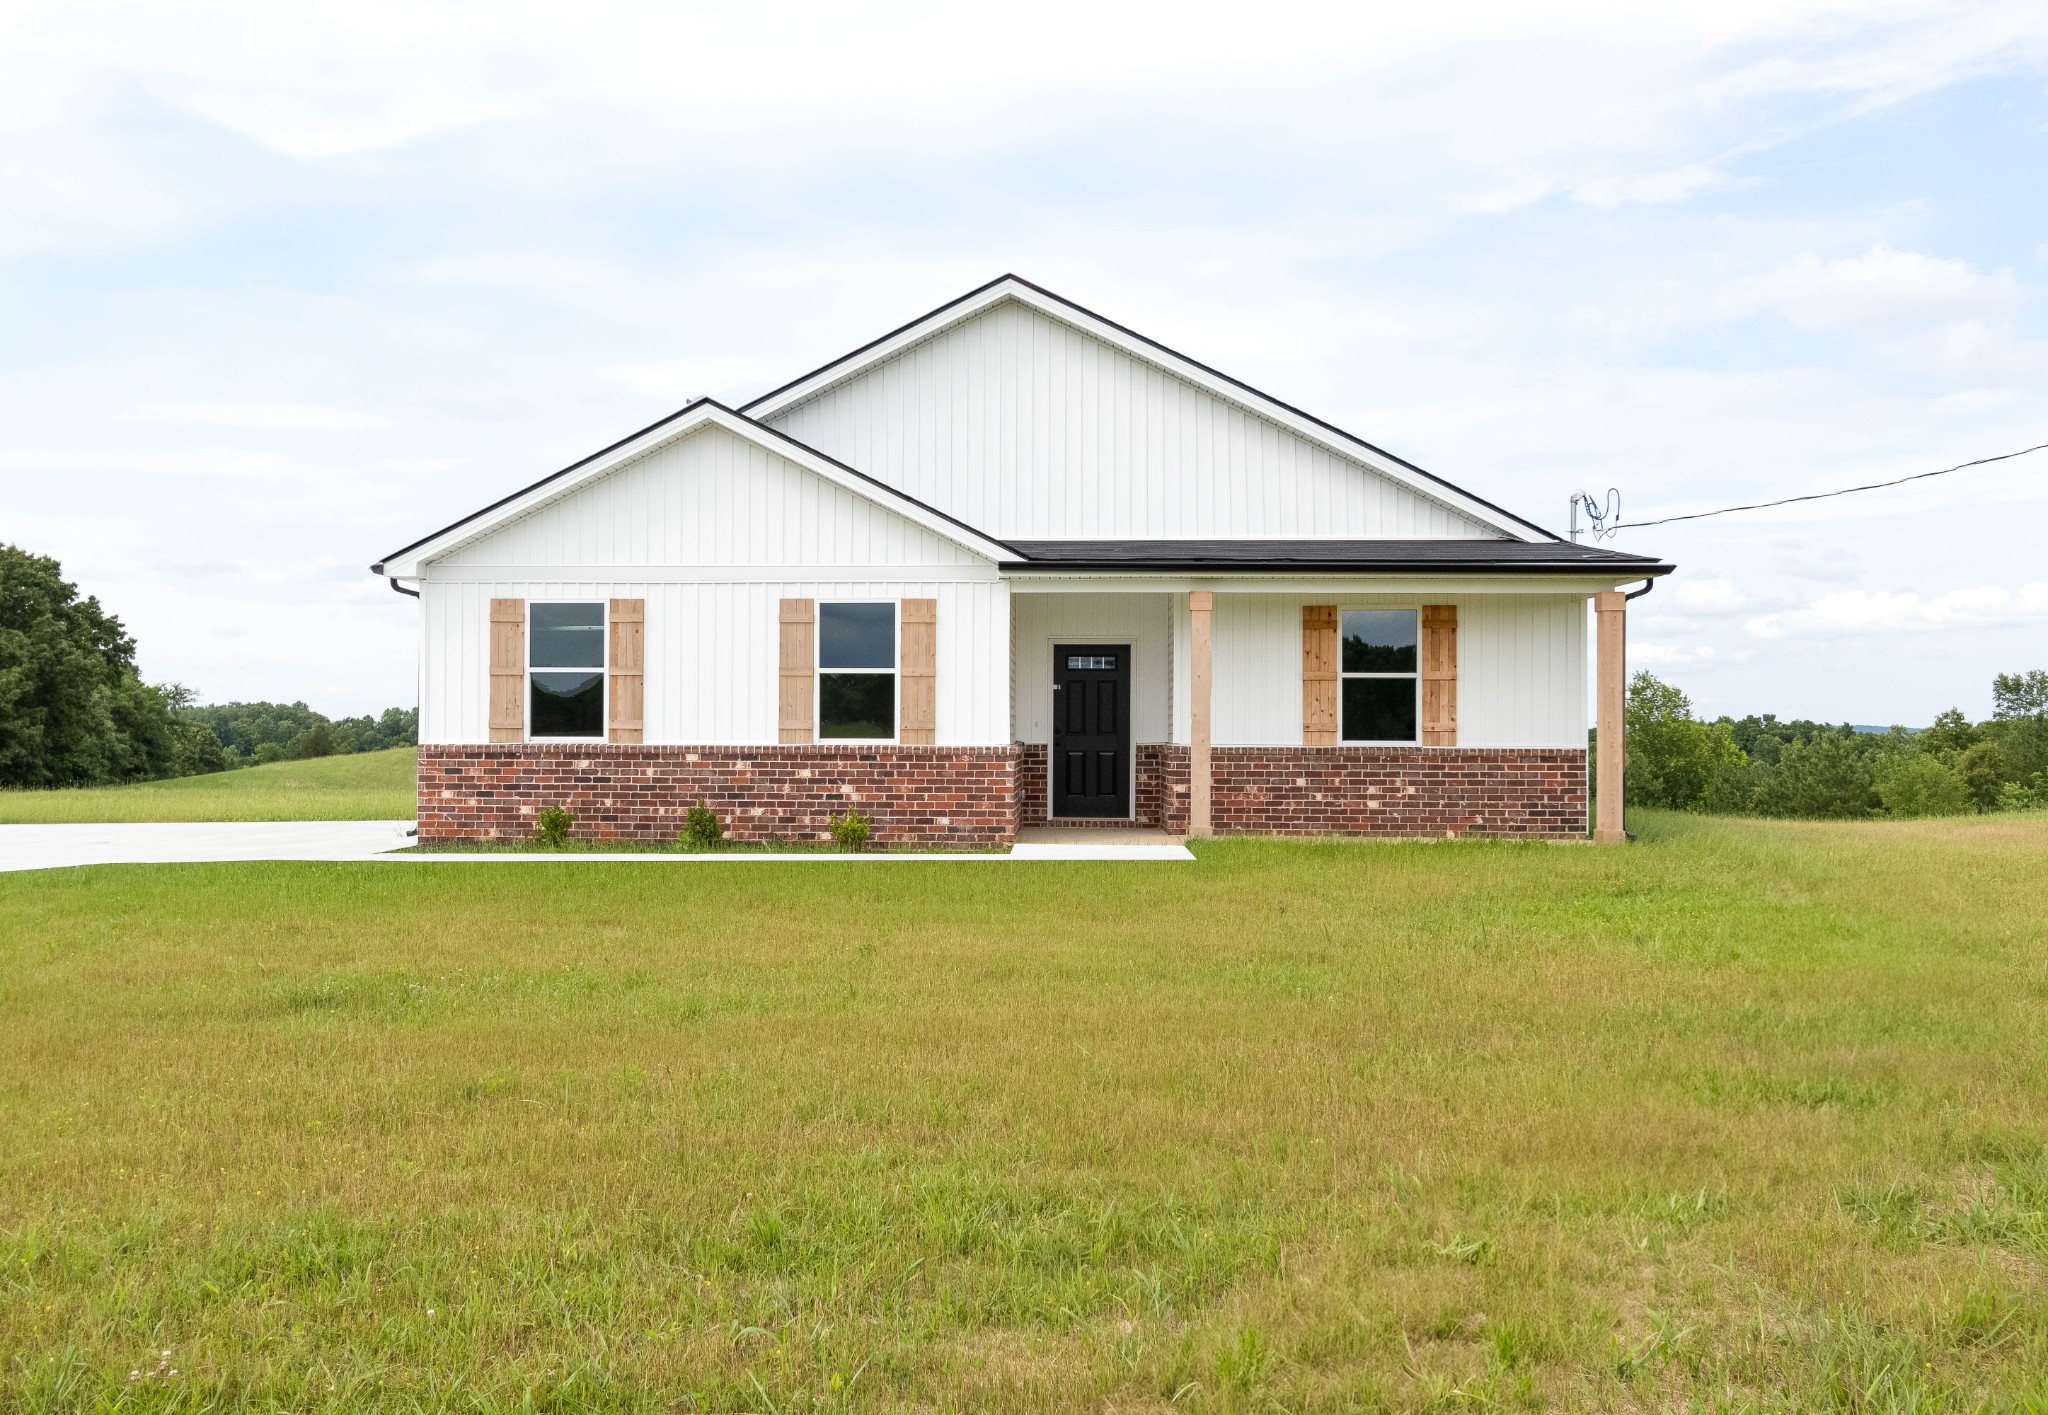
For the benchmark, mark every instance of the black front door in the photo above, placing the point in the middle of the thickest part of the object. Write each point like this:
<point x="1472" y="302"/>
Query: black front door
<point x="1091" y="731"/>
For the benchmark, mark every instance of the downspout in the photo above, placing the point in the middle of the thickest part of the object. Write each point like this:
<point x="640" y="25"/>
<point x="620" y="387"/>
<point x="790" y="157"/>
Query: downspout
<point x="1648" y="585"/>
<point x="416" y="594"/>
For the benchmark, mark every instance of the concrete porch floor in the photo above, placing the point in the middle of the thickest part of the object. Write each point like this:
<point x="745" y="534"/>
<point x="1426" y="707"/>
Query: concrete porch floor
<point x="1096" y="835"/>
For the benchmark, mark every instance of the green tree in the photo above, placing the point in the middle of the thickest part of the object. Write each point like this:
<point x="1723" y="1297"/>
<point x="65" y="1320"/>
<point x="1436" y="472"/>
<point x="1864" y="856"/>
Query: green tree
<point x="2017" y="695"/>
<point x="244" y="728"/>
<point x="318" y="740"/>
<point x="1674" y="760"/>
<point x="73" y="710"/>
<point x="1827" y="778"/>
<point x="2019" y="725"/>
<point x="1922" y="784"/>
<point x="1951" y="735"/>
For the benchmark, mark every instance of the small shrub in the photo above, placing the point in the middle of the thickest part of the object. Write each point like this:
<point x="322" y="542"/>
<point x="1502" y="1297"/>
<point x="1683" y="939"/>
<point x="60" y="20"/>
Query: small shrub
<point x="702" y="829"/>
<point x="2014" y="797"/>
<point x="551" y="827"/>
<point x="851" y="831"/>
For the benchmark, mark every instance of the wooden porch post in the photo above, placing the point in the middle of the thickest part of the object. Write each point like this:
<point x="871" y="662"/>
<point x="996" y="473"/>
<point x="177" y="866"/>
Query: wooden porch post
<point x="1200" y="603"/>
<point x="1610" y="612"/>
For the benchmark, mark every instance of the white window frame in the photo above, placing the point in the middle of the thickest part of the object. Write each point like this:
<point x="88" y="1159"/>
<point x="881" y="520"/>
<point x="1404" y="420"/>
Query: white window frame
<point x="604" y="673"/>
<point x="1416" y="676"/>
<point x="895" y="670"/>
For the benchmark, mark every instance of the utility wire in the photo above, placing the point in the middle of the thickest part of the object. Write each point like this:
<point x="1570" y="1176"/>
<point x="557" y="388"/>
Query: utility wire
<point x="1824" y="495"/>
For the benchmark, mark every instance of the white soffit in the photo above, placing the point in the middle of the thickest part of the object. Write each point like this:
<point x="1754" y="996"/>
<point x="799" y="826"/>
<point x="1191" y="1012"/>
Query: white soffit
<point x="1217" y="385"/>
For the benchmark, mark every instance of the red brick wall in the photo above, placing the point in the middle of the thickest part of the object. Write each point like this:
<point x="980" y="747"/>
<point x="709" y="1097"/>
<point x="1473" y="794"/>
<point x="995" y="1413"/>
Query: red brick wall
<point x="977" y="796"/>
<point x="958" y="796"/>
<point x="1155" y="762"/>
<point x="1163" y="786"/>
<point x="1406" y="791"/>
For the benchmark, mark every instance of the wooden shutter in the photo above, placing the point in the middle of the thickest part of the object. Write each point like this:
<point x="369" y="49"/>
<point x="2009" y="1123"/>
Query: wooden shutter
<point x="628" y="655"/>
<point x="799" y="669"/>
<point x="508" y="670"/>
<point x="917" y="666"/>
<point x="1439" y="675"/>
<point x="1319" y="675"/>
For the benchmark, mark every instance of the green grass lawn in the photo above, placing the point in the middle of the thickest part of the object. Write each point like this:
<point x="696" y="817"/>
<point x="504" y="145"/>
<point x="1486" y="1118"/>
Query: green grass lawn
<point x="367" y="786"/>
<point x="1747" y="1116"/>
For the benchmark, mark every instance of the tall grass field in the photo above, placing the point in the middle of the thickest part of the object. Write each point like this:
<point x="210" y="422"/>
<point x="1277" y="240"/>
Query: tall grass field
<point x="1749" y="1116"/>
<point x="366" y="786"/>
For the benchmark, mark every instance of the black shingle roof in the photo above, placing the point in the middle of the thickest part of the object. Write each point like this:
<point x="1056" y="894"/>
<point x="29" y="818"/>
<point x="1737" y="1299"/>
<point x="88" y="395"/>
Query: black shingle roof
<point x="1461" y="556"/>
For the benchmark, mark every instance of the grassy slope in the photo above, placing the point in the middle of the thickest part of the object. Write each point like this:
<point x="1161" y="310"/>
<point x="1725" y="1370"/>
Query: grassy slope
<point x="367" y="786"/>
<point x="1749" y="1111"/>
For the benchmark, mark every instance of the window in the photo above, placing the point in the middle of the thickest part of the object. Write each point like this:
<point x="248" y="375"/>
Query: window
<point x="1379" y="675"/>
<point x="565" y="670"/>
<point x="857" y="672"/>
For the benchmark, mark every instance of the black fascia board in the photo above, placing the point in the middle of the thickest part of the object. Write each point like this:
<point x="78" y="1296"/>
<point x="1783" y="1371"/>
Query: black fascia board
<point x="1646" y="569"/>
<point x="1353" y="556"/>
<point x="1328" y="427"/>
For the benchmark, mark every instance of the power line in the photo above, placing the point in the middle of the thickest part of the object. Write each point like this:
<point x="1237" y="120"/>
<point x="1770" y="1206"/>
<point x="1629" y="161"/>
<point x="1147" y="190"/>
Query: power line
<point x="1824" y="495"/>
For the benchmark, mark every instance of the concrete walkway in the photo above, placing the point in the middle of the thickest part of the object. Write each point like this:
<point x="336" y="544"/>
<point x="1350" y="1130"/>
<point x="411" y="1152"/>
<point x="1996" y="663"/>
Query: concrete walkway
<point x="47" y="847"/>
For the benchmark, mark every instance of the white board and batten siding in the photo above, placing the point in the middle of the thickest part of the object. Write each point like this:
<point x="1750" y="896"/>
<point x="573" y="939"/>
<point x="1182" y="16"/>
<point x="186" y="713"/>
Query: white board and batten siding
<point x="1521" y="666"/>
<point x="1040" y="622"/>
<point x="1027" y="427"/>
<point x="712" y="532"/>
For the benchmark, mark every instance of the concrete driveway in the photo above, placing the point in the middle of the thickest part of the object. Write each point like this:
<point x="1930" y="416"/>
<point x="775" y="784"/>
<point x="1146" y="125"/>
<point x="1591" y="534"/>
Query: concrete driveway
<point x="46" y="847"/>
<point x="50" y="847"/>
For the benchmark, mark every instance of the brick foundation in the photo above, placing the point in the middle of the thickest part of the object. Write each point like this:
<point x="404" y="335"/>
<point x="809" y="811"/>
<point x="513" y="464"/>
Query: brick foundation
<point x="957" y="796"/>
<point x="1402" y="791"/>
<point x="1162" y="796"/>
<point x="969" y="797"/>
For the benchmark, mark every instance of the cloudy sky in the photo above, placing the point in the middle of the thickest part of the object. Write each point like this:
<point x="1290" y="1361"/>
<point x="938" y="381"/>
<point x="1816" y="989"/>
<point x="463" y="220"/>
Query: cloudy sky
<point x="284" y="287"/>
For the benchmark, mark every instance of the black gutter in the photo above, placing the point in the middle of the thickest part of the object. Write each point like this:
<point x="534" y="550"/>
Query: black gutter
<point x="1164" y="349"/>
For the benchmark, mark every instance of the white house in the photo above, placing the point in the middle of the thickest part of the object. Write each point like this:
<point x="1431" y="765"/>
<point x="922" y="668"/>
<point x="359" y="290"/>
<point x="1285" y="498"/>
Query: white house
<point x="1008" y="564"/>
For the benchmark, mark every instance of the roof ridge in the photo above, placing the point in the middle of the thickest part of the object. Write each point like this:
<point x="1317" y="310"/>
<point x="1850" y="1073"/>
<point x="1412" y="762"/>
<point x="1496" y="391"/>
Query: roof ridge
<point x="1256" y="393"/>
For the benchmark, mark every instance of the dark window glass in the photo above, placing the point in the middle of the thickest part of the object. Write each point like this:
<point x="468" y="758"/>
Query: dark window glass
<point x="566" y="705"/>
<point x="857" y="705"/>
<point x="1379" y="709"/>
<point x="567" y="635"/>
<point x="1379" y="641"/>
<point x="856" y="636"/>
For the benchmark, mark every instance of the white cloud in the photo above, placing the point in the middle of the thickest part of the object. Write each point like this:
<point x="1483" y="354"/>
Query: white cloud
<point x="1662" y="654"/>
<point x="1649" y="188"/>
<point x="1720" y="595"/>
<point x="522" y="269"/>
<point x="1885" y="612"/>
<point x="1883" y="289"/>
<point x="680" y="380"/>
<point x="275" y="417"/>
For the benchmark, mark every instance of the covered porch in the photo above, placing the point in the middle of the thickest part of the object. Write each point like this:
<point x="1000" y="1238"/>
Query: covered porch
<point x="1156" y="702"/>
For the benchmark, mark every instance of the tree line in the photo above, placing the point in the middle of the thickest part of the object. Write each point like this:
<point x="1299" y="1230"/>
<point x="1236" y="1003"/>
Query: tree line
<point x="74" y="710"/>
<point x="1767" y="767"/>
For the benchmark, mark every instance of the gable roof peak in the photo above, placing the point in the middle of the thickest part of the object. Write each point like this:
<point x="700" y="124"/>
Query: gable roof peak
<point x="1013" y="287"/>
